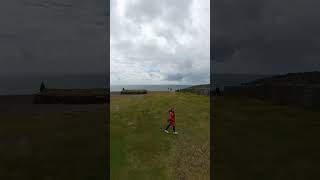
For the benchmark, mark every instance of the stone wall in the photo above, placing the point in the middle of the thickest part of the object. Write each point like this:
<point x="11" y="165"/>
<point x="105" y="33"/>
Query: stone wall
<point x="72" y="96"/>
<point x="134" y="91"/>
<point x="306" y="95"/>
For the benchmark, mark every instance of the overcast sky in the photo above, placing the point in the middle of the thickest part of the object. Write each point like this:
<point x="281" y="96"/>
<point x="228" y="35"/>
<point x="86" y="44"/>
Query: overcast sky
<point x="160" y="42"/>
<point x="55" y="36"/>
<point x="265" y="36"/>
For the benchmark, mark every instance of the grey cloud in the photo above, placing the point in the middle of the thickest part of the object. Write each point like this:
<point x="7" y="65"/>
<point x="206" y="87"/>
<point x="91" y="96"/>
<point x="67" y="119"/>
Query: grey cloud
<point x="174" y="77"/>
<point x="4" y="36"/>
<point x="174" y="12"/>
<point x="265" y="36"/>
<point x="198" y="77"/>
<point x="46" y="4"/>
<point x="162" y="34"/>
<point x="54" y="36"/>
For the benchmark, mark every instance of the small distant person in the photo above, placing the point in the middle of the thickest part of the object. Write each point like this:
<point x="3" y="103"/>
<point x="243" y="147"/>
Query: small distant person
<point x="42" y="87"/>
<point x="122" y="89"/>
<point x="171" y="121"/>
<point x="218" y="91"/>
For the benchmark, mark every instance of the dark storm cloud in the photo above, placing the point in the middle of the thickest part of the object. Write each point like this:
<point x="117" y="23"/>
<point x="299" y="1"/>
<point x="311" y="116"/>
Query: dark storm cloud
<point x="47" y="4"/>
<point x="174" y="77"/>
<point x="4" y="36"/>
<point x="59" y="36"/>
<point x="265" y="36"/>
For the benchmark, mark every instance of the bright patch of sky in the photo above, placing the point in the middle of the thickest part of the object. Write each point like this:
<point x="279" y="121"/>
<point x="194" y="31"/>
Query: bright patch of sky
<point x="160" y="42"/>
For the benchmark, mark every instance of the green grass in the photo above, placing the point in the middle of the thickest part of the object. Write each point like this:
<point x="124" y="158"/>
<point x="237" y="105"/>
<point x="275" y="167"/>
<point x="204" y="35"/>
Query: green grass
<point x="140" y="150"/>
<point x="254" y="139"/>
<point x="48" y="142"/>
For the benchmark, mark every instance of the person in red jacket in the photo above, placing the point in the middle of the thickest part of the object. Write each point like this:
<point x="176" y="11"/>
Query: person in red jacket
<point x="172" y="121"/>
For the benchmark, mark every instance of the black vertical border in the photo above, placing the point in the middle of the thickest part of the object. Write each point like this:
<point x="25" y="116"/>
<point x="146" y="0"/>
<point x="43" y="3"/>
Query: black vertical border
<point x="212" y="123"/>
<point x="108" y="89"/>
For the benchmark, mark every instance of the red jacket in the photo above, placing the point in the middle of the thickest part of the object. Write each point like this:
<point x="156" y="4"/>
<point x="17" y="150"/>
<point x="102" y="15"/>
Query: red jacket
<point x="172" y="119"/>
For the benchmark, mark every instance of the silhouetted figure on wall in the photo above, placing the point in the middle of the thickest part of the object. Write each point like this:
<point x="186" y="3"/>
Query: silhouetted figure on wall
<point x="42" y="87"/>
<point x="218" y="91"/>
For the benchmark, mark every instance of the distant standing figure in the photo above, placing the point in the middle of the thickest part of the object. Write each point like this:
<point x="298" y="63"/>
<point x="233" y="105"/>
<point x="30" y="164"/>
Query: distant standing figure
<point x="42" y="87"/>
<point x="218" y="91"/>
<point x="171" y="121"/>
<point x="122" y="89"/>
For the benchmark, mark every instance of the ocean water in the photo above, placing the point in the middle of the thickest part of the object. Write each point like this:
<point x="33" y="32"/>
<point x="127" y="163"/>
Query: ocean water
<point x="29" y="84"/>
<point x="117" y="88"/>
<point x="219" y="80"/>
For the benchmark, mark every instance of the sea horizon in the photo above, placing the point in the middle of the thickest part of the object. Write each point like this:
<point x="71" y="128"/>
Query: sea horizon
<point x="148" y="87"/>
<point x="30" y="84"/>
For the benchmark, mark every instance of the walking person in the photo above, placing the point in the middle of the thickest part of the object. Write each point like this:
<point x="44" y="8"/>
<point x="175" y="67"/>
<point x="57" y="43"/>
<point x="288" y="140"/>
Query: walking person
<point x="171" y="121"/>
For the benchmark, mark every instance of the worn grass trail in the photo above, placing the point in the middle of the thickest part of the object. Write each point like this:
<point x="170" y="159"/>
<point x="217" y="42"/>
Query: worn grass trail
<point x="140" y="150"/>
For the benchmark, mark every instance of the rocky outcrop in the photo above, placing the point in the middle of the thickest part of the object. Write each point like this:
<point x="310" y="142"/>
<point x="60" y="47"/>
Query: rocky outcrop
<point x="294" y="88"/>
<point x="304" y="78"/>
<point x="200" y="89"/>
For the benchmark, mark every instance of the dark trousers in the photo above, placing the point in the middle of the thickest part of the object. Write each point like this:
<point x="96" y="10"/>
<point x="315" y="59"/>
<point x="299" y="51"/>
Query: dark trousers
<point x="174" y="128"/>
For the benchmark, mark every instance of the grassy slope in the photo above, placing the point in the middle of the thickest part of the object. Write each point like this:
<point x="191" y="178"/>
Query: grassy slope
<point x="139" y="150"/>
<point x="53" y="142"/>
<point x="259" y="140"/>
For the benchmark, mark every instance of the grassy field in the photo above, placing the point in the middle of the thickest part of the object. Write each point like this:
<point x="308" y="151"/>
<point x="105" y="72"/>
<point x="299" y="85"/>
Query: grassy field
<point x="140" y="150"/>
<point x="52" y="142"/>
<point x="254" y="140"/>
